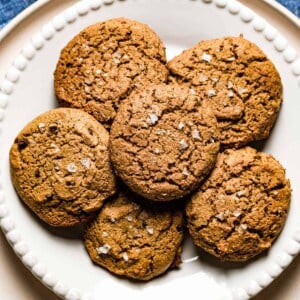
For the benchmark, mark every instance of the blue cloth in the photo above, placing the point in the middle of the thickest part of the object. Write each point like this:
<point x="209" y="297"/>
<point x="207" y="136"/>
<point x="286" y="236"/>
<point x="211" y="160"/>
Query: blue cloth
<point x="292" y="5"/>
<point x="10" y="8"/>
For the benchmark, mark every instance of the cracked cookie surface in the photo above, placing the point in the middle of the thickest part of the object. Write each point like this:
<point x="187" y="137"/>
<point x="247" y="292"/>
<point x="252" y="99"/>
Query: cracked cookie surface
<point x="134" y="240"/>
<point x="241" y="208"/>
<point x="242" y="84"/>
<point x="60" y="166"/>
<point x="105" y="62"/>
<point x="163" y="141"/>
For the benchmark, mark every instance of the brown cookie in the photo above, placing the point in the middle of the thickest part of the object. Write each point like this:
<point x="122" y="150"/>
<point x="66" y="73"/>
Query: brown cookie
<point x="60" y="166"/>
<point x="105" y="62"/>
<point x="163" y="141"/>
<point x="242" y="207"/>
<point x="239" y="80"/>
<point x="134" y="240"/>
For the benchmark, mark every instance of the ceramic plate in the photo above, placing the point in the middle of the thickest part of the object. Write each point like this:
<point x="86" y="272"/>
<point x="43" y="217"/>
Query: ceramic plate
<point x="58" y="258"/>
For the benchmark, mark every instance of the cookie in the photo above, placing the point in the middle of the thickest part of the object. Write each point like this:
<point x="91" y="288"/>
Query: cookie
<point x="60" y="166"/>
<point x="241" y="208"/>
<point x="104" y="63"/>
<point x="163" y="141"/>
<point x="134" y="240"/>
<point x="241" y="83"/>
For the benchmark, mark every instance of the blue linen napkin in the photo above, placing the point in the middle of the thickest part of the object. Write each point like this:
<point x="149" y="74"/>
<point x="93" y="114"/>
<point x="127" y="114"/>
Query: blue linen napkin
<point x="10" y="8"/>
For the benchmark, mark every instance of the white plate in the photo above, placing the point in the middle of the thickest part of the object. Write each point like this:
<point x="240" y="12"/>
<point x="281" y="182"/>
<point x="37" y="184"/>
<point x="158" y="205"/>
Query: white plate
<point x="59" y="259"/>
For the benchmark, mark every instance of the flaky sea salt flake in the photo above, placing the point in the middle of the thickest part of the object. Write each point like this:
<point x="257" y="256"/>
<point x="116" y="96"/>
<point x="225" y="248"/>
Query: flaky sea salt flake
<point x="129" y="218"/>
<point x="149" y="229"/>
<point x="185" y="171"/>
<point x="244" y="226"/>
<point x="230" y="94"/>
<point x="125" y="256"/>
<point x="42" y="127"/>
<point x="180" y="125"/>
<point x="55" y="147"/>
<point x="206" y="57"/>
<point x="183" y="144"/>
<point x="242" y="90"/>
<point x="211" y="93"/>
<point x="156" y="151"/>
<point x="202" y="78"/>
<point x="71" y="168"/>
<point x="103" y="249"/>
<point x="152" y="119"/>
<point x="196" y="134"/>
<point x="86" y="162"/>
<point x="236" y="213"/>
<point x="241" y="193"/>
<point x="220" y="216"/>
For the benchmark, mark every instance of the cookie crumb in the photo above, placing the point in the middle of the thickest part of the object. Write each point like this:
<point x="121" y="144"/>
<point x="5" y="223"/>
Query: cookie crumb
<point x="206" y="57"/>
<point x="192" y="91"/>
<point x="232" y="58"/>
<point x="103" y="249"/>
<point x="104" y="234"/>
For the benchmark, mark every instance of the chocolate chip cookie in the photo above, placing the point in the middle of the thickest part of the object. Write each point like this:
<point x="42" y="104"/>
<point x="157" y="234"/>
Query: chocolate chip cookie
<point x="60" y="166"/>
<point x="239" y="80"/>
<point x="134" y="240"/>
<point x="163" y="141"/>
<point x="241" y="208"/>
<point x="105" y="62"/>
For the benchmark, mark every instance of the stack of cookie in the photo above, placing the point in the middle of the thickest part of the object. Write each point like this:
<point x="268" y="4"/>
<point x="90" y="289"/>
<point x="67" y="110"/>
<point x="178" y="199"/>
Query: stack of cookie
<point x="140" y="142"/>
